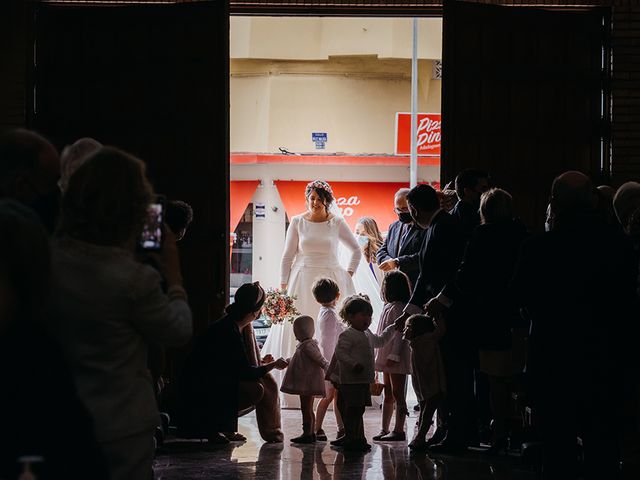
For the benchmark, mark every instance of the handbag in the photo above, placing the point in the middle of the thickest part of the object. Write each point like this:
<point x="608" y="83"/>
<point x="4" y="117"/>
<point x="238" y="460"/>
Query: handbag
<point x="376" y="388"/>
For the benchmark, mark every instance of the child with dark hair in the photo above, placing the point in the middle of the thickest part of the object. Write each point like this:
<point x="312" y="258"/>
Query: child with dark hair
<point x="327" y="293"/>
<point x="179" y="216"/>
<point x="355" y="368"/>
<point x="427" y="372"/>
<point x="394" y="359"/>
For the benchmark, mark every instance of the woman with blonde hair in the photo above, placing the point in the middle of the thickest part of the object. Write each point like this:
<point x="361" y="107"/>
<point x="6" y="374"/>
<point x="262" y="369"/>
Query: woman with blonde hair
<point x="368" y="277"/>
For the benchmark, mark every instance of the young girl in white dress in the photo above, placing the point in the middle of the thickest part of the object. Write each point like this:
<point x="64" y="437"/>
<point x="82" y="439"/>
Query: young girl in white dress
<point x="305" y="375"/>
<point x="311" y="252"/>
<point x="394" y="359"/>
<point x="327" y="294"/>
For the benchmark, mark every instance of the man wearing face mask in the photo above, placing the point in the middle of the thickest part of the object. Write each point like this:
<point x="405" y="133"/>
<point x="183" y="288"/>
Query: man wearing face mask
<point x="401" y="248"/>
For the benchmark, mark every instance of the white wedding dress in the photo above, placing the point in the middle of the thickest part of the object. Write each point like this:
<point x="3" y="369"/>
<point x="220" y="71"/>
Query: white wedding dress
<point x="310" y="252"/>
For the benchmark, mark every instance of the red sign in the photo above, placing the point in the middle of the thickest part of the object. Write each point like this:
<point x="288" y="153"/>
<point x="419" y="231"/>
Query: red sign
<point x="354" y="199"/>
<point x="428" y="134"/>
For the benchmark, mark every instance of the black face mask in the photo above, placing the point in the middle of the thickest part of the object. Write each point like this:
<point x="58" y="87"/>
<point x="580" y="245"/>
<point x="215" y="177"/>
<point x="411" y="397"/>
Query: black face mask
<point x="405" y="217"/>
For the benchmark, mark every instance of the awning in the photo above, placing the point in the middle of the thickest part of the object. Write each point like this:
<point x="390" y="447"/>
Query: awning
<point x="378" y="160"/>
<point x="240" y="195"/>
<point x="355" y="199"/>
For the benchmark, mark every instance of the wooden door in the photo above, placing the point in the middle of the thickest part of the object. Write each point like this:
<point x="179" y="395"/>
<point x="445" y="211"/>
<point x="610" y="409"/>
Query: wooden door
<point x="152" y="80"/>
<point x="523" y="97"/>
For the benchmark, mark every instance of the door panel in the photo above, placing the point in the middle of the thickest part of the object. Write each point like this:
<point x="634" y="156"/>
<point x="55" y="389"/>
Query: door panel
<point x="522" y="97"/>
<point x="152" y="80"/>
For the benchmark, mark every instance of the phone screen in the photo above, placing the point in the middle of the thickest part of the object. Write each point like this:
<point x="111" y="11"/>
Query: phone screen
<point x="151" y="238"/>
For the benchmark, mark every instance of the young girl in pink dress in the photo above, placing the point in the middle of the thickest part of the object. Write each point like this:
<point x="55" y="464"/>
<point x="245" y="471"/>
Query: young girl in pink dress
<point x="305" y="375"/>
<point x="394" y="359"/>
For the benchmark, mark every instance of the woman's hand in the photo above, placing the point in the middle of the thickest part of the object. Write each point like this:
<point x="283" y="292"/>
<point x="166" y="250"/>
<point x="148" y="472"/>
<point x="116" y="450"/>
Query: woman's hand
<point x="283" y="287"/>
<point x="280" y="364"/>
<point x="267" y="359"/>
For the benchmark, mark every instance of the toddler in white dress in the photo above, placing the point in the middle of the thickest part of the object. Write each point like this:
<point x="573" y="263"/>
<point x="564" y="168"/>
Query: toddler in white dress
<point x="327" y="293"/>
<point x="305" y="375"/>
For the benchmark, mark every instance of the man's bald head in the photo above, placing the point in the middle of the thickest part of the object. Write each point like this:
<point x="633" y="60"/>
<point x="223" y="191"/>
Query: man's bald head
<point x="572" y="191"/>
<point x="27" y="158"/>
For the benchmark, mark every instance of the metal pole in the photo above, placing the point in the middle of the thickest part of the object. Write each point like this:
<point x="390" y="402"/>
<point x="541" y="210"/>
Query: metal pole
<point x="413" y="163"/>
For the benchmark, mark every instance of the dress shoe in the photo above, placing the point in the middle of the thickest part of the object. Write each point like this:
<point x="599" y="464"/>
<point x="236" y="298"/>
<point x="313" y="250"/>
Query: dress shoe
<point x="379" y="436"/>
<point x="338" y="441"/>
<point x="448" y="448"/>
<point x="235" y="437"/>
<point x="340" y="433"/>
<point x="418" y="445"/>
<point x="438" y="437"/>
<point x="321" y="436"/>
<point x="394" y="437"/>
<point x="310" y="438"/>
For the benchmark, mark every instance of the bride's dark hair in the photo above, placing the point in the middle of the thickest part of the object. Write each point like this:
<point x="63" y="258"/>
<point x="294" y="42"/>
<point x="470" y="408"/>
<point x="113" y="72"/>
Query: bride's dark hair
<point x="248" y="298"/>
<point x="324" y="191"/>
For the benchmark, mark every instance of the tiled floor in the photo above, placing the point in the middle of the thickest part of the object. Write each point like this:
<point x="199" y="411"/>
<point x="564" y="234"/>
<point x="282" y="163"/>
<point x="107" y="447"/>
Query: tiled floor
<point x="186" y="460"/>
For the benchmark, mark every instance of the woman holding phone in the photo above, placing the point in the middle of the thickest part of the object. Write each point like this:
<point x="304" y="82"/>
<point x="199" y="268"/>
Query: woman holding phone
<point x="107" y="306"/>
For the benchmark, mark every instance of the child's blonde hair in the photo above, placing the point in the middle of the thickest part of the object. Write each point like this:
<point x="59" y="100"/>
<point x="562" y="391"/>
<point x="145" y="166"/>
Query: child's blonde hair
<point x="353" y="305"/>
<point x="303" y="327"/>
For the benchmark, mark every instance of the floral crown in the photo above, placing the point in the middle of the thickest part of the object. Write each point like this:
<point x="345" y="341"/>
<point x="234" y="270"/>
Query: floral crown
<point x="320" y="184"/>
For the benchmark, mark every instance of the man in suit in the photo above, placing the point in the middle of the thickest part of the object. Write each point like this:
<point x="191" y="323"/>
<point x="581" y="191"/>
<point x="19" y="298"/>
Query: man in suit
<point x="440" y="258"/>
<point x="470" y="185"/>
<point x="577" y="283"/>
<point x="401" y="248"/>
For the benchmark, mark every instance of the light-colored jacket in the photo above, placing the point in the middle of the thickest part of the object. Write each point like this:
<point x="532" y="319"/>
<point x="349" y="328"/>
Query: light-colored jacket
<point x="106" y="307"/>
<point x="329" y="329"/>
<point x="356" y="347"/>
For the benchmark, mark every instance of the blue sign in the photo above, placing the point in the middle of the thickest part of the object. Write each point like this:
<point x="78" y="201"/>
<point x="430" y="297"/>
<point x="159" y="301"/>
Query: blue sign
<point x="319" y="137"/>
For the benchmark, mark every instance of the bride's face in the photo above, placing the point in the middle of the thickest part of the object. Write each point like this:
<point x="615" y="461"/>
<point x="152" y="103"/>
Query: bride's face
<point x="314" y="203"/>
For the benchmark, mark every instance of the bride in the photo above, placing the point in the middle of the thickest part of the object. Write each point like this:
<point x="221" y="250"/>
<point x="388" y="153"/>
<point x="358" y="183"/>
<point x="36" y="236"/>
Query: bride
<point x="311" y="252"/>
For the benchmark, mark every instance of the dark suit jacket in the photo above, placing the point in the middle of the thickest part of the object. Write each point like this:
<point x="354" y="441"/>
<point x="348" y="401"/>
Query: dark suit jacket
<point x="208" y="384"/>
<point x="440" y="257"/>
<point x="482" y="283"/>
<point x="468" y="217"/>
<point x="407" y="254"/>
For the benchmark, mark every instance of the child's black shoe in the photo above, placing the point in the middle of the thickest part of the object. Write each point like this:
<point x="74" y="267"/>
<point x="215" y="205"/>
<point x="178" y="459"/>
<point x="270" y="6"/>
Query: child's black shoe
<point x="311" y="438"/>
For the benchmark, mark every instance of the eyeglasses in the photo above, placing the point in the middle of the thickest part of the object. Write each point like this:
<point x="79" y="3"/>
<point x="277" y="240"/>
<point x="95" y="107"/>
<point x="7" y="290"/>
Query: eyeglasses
<point x="398" y="211"/>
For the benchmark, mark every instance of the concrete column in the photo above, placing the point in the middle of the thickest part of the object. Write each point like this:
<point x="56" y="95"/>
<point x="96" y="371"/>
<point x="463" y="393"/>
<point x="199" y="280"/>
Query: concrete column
<point x="268" y="233"/>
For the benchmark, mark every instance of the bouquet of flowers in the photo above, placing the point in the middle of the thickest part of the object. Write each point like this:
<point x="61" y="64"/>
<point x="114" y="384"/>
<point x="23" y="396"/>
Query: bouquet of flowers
<point x="278" y="306"/>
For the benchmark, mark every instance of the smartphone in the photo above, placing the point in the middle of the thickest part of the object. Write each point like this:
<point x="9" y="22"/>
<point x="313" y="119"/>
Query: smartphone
<point x="152" y="231"/>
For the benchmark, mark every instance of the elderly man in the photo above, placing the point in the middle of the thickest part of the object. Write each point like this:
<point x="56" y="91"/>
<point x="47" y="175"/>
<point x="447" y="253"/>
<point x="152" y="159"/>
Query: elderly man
<point x="577" y="284"/>
<point x="401" y="248"/>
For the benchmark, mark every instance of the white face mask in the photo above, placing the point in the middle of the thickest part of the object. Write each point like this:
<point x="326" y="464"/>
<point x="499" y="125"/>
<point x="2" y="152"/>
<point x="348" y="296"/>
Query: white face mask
<point x="363" y="240"/>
